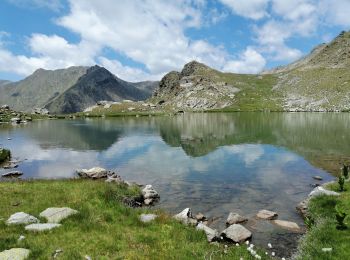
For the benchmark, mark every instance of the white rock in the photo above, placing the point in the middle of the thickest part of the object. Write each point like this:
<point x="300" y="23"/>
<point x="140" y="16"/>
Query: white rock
<point x="267" y="214"/>
<point x="318" y="191"/>
<point x="56" y="215"/>
<point x="327" y="249"/>
<point x="269" y="245"/>
<point x="237" y="233"/>
<point x="21" y="238"/>
<point x="14" y="254"/>
<point x="41" y="227"/>
<point x="147" y="217"/>
<point x="21" y="218"/>
<point x="184" y="216"/>
<point x="211" y="234"/>
<point x="93" y="173"/>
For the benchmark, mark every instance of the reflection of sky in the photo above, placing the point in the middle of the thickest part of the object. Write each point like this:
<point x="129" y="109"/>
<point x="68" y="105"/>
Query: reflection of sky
<point x="243" y="178"/>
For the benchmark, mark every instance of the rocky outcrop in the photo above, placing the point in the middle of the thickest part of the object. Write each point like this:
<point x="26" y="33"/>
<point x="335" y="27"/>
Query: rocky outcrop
<point x="56" y="215"/>
<point x="15" y="254"/>
<point x="93" y="173"/>
<point x="236" y="233"/>
<point x="21" y="218"/>
<point x="12" y="174"/>
<point x="194" y="88"/>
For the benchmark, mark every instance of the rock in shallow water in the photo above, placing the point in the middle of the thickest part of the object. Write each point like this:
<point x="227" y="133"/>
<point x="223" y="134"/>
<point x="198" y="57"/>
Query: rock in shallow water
<point x="287" y="225"/>
<point x="236" y="233"/>
<point x="185" y="217"/>
<point x="267" y="214"/>
<point x="149" y="194"/>
<point x="15" y="254"/>
<point x="21" y="218"/>
<point x="234" y="218"/>
<point x="56" y="215"/>
<point x="12" y="174"/>
<point x="41" y="227"/>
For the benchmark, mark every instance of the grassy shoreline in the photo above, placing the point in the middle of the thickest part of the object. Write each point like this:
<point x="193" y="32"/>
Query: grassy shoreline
<point x="104" y="228"/>
<point x="324" y="233"/>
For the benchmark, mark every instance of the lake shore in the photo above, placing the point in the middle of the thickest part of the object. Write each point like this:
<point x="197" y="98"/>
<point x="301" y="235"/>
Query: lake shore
<point x="104" y="226"/>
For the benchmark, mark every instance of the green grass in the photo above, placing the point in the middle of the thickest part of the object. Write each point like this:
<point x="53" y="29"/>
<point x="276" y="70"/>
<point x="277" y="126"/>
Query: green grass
<point x="4" y="155"/>
<point x="324" y="233"/>
<point x="104" y="227"/>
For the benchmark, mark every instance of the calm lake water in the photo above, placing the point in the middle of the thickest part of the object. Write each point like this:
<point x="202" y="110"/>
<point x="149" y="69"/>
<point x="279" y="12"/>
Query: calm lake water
<point x="213" y="163"/>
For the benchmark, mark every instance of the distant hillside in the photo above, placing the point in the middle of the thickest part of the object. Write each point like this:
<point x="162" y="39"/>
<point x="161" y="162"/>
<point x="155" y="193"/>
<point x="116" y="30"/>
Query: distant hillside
<point x="4" y="82"/>
<point x="317" y="82"/>
<point x="71" y="90"/>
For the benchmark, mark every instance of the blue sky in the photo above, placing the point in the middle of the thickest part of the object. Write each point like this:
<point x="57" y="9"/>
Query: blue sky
<point x="141" y="40"/>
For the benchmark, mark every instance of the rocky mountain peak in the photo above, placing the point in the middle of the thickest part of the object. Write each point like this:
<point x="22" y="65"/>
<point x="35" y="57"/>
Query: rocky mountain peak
<point x="193" y="67"/>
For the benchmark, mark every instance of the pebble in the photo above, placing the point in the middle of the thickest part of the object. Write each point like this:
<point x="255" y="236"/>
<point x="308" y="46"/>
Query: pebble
<point x="327" y="249"/>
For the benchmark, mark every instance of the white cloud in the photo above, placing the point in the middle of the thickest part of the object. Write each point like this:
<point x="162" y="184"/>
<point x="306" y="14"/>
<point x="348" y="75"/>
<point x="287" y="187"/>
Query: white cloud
<point x="254" y="9"/>
<point x="250" y="61"/>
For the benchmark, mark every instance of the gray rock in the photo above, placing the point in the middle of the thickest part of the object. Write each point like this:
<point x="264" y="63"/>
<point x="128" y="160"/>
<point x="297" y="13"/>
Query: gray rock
<point x="21" y="218"/>
<point x="185" y="216"/>
<point x="115" y="178"/>
<point x="14" y="254"/>
<point x="15" y="120"/>
<point x="319" y="178"/>
<point x="149" y="194"/>
<point x="267" y="214"/>
<point x="93" y="173"/>
<point x="287" y="225"/>
<point x="147" y="217"/>
<point x="41" y="227"/>
<point x="56" y="215"/>
<point x="12" y="174"/>
<point x="200" y="217"/>
<point x="236" y="233"/>
<point x="211" y="234"/>
<point x="234" y="218"/>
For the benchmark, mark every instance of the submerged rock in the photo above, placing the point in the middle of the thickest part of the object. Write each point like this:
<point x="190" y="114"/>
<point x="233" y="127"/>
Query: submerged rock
<point x="56" y="215"/>
<point x="234" y="218"/>
<point x="15" y="254"/>
<point x="236" y="233"/>
<point x="21" y="218"/>
<point x="150" y="195"/>
<point x="41" y="227"/>
<point x="287" y="225"/>
<point x="267" y="214"/>
<point x="12" y="174"/>
<point x="211" y="234"/>
<point x="147" y="217"/>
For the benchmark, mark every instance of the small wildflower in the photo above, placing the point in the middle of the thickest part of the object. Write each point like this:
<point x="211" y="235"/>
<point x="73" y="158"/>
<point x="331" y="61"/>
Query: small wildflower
<point x="225" y="246"/>
<point x="237" y="244"/>
<point x="269" y="245"/>
<point x="273" y="253"/>
<point x="247" y="242"/>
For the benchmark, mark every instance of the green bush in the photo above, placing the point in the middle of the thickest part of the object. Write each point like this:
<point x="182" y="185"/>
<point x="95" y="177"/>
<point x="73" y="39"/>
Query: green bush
<point x="4" y="155"/>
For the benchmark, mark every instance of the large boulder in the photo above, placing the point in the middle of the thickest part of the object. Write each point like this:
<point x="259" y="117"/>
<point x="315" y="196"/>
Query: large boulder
<point x="234" y="218"/>
<point x="150" y="195"/>
<point x="236" y="233"/>
<point x="15" y="254"/>
<point x="21" y="218"/>
<point x="41" y="227"/>
<point x="93" y="173"/>
<point x="56" y="215"/>
<point x="211" y="234"/>
<point x="267" y="214"/>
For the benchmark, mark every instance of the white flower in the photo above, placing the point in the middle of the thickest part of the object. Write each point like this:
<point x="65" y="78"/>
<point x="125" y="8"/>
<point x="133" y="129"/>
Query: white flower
<point x="237" y="244"/>
<point x="273" y="254"/>
<point x="269" y="245"/>
<point x="247" y="242"/>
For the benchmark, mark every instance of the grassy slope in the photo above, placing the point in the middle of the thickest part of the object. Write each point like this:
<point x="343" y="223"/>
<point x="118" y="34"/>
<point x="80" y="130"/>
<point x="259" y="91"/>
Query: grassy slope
<point x="104" y="228"/>
<point x="324" y="234"/>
